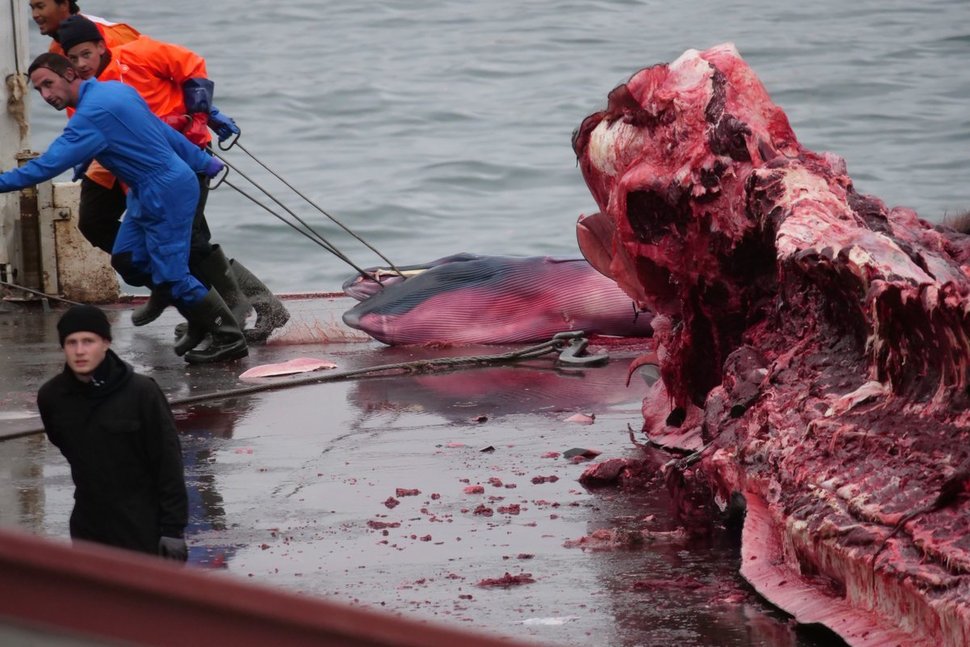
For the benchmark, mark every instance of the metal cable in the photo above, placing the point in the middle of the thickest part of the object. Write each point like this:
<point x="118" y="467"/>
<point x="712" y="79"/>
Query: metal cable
<point x="318" y="208"/>
<point x="310" y="231"/>
<point x="40" y="294"/>
<point x="530" y="352"/>
<point x="407" y="367"/>
<point x="311" y="234"/>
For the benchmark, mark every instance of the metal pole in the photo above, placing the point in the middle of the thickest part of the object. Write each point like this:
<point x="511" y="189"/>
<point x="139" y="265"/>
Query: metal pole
<point x="14" y="125"/>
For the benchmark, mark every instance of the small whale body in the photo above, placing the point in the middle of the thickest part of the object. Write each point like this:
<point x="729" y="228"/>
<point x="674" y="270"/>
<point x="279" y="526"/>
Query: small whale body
<point x="471" y="299"/>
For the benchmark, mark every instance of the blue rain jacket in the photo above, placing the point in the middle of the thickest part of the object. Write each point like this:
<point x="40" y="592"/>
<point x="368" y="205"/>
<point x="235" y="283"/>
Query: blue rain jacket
<point x="113" y="124"/>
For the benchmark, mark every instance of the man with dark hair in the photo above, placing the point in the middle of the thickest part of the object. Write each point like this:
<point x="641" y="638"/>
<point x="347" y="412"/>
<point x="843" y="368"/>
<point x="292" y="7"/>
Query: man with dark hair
<point x="101" y="193"/>
<point x="174" y="82"/>
<point x="113" y="123"/>
<point x="48" y="15"/>
<point x="117" y="432"/>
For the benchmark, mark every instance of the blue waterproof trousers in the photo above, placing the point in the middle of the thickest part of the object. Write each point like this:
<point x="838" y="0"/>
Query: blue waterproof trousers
<point x="152" y="246"/>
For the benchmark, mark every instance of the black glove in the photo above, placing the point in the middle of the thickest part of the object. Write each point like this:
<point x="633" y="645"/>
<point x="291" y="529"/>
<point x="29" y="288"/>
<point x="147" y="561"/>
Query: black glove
<point x="173" y="548"/>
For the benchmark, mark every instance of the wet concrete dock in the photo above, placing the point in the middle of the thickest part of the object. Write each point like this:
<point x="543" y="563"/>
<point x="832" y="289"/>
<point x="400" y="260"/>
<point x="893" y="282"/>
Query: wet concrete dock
<point x="363" y="490"/>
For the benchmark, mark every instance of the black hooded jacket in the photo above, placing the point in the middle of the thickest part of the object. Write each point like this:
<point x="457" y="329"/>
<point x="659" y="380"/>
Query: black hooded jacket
<point x="118" y="435"/>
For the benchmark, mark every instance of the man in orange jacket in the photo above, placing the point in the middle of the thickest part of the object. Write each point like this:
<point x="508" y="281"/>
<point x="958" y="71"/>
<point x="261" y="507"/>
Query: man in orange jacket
<point x="173" y="81"/>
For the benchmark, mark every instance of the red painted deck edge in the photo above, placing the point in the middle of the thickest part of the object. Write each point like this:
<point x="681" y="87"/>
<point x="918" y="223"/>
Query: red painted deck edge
<point x="98" y="592"/>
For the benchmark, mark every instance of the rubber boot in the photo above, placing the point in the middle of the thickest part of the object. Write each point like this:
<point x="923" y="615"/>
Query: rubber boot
<point x="216" y="270"/>
<point x="211" y="317"/>
<point x="152" y="309"/>
<point x="270" y="312"/>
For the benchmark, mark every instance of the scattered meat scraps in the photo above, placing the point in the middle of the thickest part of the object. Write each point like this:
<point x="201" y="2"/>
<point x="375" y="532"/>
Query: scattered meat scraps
<point x="298" y="365"/>
<point x="508" y="580"/>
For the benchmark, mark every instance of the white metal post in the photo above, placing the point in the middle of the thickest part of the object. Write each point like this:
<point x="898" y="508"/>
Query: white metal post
<point x="14" y="126"/>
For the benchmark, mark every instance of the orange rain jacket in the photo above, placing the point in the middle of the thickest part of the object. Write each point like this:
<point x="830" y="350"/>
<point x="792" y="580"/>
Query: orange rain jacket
<point x="157" y="71"/>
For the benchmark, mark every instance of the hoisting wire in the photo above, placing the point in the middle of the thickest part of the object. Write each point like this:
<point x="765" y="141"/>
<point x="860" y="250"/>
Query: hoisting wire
<point x="312" y="235"/>
<point x="309" y="231"/>
<point x="313" y="204"/>
<point x="312" y="232"/>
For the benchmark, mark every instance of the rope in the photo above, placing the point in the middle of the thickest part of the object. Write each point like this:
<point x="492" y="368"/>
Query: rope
<point x="530" y="352"/>
<point x="406" y="367"/>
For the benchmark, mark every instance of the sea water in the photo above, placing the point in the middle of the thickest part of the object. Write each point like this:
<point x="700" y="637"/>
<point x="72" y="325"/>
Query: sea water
<point x="443" y="126"/>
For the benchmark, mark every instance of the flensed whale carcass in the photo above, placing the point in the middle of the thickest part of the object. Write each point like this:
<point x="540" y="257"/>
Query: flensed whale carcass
<point x="469" y="299"/>
<point x="816" y="342"/>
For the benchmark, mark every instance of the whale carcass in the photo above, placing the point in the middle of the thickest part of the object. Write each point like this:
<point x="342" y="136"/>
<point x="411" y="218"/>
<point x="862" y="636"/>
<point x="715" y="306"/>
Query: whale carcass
<point x="814" y="342"/>
<point x="471" y="299"/>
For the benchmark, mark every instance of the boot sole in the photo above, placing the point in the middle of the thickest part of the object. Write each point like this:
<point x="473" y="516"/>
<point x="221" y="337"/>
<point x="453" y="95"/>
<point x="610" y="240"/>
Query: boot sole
<point x="145" y="320"/>
<point x="227" y="355"/>
<point x="258" y="334"/>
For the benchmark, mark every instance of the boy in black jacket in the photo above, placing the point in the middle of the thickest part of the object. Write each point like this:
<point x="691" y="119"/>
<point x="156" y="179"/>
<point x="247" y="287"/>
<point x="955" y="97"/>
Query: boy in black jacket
<point x="117" y="432"/>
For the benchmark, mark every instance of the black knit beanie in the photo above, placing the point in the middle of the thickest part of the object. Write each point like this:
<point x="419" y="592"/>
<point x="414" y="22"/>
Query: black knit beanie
<point x="77" y="29"/>
<point x="83" y="318"/>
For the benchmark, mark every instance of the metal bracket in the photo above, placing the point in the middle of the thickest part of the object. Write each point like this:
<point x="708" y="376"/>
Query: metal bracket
<point x="574" y="352"/>
<point x="219" y="178"/>
<point x="230" y="141"/>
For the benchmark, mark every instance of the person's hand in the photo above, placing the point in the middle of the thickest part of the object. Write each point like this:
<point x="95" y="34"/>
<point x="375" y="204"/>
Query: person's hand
<point x="223" y="125"/>
<point x="173" y="548"/>
<point x="214" y="167"/>
<point x="80" y="170"/>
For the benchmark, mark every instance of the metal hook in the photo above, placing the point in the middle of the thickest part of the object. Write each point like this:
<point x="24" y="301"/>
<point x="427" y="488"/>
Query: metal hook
<point x="222" y="175"/>
<point x="574" y="354"/>
<point x="232" y="139"/>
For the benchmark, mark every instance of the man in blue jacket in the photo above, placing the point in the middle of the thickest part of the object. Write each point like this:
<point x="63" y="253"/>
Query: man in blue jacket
<point x="113" y="124"/>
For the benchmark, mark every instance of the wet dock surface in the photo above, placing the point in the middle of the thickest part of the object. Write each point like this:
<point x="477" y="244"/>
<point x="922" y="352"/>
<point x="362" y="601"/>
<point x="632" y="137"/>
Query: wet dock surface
<point x="362" y="490"/>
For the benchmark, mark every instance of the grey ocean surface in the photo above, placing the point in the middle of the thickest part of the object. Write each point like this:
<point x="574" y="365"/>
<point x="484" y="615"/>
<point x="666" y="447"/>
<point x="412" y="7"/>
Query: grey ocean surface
<point x="443" y="126"/>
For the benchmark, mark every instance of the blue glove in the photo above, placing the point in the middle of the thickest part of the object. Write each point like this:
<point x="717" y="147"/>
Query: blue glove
<point x="222" y="125"/>
<point x="214" y="166"/>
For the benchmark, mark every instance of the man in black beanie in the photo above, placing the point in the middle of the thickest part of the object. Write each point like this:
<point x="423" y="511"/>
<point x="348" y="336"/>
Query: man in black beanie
<point x="117" y="432"/>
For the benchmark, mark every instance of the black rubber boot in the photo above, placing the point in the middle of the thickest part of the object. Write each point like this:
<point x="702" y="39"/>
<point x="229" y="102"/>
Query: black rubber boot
<point x="216" y="270"/>
<point x="270" y="312"/>
<point x="211" y="317"/>
<point x="152" y="309"/>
